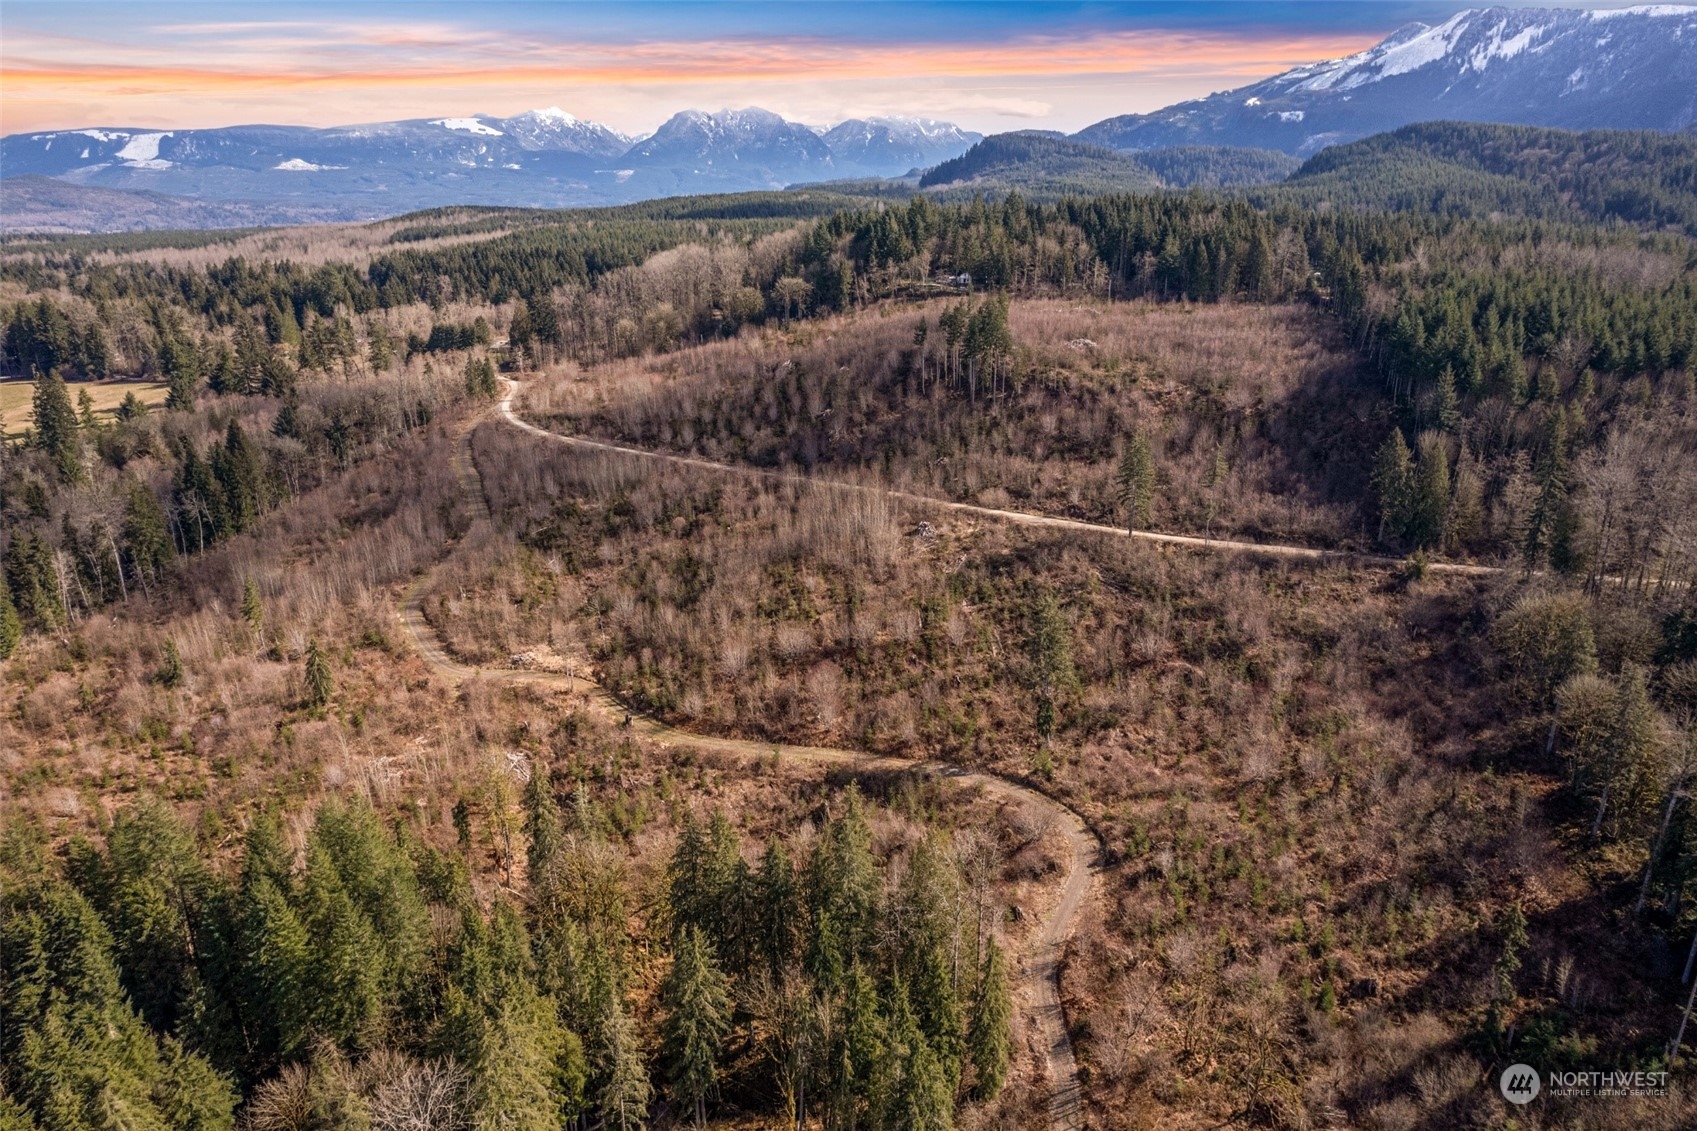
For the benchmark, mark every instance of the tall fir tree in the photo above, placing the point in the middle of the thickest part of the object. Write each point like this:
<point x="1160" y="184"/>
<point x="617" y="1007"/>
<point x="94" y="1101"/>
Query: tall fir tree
<point x="33" y="579"/>
<point x="11" y="625"/>
<point x="343" y="988"/>
<point x="1393" y="482"/>
<point x="1136" y="481"/>
<point x="1429" y="501"/>
<point x="625" y="1090"/>
<point x="56" y="427"/>
<point x="252" y="607"/>
<point x="696" y="999"/>
<point x="320" y="683"/>
<point x="988" y="1038"/>
<point x="147" y="534"/>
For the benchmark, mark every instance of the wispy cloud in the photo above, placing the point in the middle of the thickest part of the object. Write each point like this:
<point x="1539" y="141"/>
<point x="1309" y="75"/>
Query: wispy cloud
<point x="322" y="71"/>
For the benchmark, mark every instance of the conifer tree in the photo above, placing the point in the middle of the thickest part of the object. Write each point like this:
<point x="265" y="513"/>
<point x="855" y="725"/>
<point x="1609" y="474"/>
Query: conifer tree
<point x="705" y="878"/>
<point x="697" y="1002"/>
<point x="854" y="1050"/>
<point x="987" y="1037"/>
<point x="275" y="961"/>
<point x="480" y="378"/>
<point x="543" y="829"/>
<point x="11" y="626"/>
<point x="1446" y="403"/>
<point x="253" y="608"/>
<point x="626" y="1091"/>
<point x="1430" y="498"/>
<point x="777" y="906"/>
<point x="343" y="987"/>
<point x="1136" y="481"/>
<point x="937" y="1009"/>
<point x="380" y="879"/>
<point x="842" y="894"/>
<point x="171" y="666"/>
<point x="156" y="895"/>
<point x="1393" y="482"/>
<point x="56" y="426"/>
<point x="147" y="537"/>
<point x="516" y="1063"/>
<point x="239" y="471"/>
<point x="320" y="684"/>
<point x="130" y="408"/>
<point x="1545" y="526"/>
<point x="380" y="347"/>
<point x="912" y="1090"/>
<point x="181" y="367"/>
<point x="34" y="582"/>
<point x="1050" y="647"/>
<point x="75" y="1053"/>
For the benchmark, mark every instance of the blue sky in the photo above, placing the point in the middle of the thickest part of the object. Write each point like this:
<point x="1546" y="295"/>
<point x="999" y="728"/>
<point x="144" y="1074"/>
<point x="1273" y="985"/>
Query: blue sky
<point x="988" y="66"/>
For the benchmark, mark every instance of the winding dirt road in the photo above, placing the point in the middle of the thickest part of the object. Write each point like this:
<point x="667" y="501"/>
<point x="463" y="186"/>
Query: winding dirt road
<point x="1039" y="991"/>
<point x="1020" y="518"/>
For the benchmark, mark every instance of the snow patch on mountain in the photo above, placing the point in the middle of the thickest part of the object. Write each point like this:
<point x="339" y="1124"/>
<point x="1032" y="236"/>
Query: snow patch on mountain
<point x="468" y="125"/>
<point x="1650" y="11"/>
<point x="142" y="152"/>
<point x="297" y="165"/>
<point x="1501" y="48"/>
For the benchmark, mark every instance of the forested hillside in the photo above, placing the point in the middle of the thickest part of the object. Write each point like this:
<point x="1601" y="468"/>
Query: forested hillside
<point x="1037" y="164"/>
<point x="378" y="751"/>
<point x="1472" y="169"/>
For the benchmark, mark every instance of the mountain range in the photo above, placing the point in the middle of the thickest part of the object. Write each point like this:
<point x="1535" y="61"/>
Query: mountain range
<point x="1630" y="68"/>
<point x="543" y="158"/>
<point x="1619" y="68"/>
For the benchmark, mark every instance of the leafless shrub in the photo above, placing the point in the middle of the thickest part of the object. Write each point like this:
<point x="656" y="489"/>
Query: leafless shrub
<point x="429" y="1096"/>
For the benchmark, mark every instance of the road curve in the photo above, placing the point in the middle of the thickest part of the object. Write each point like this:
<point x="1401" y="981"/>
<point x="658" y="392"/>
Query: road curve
<point x="1021" y="518"/>
<point x="1042" y="958"/>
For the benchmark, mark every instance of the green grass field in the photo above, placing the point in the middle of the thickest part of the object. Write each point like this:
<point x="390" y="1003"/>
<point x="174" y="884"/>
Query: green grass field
<point x="15" y="393"/>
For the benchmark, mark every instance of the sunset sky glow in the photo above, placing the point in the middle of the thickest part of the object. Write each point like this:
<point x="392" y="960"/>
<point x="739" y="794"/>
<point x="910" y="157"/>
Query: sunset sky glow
<point x="987" y="66"/>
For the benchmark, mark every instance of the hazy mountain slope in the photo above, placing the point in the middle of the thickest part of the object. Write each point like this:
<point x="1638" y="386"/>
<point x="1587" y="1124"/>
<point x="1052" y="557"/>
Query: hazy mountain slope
<point x="42" y="204"/>
<point x="1622" y="68"/>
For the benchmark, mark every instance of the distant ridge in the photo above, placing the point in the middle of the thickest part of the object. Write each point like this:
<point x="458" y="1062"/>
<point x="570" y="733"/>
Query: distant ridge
<point x="541" y="158"/>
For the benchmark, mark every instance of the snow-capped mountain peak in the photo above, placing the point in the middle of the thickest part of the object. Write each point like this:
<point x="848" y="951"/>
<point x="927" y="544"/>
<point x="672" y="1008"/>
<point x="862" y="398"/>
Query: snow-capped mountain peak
<point x="895" y="144"/>
<point x="554" y="129"/>
<point x="551" y="114"/>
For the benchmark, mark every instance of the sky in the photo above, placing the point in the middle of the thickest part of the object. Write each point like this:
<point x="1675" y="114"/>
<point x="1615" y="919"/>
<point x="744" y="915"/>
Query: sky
<point x="1035" y="64"/>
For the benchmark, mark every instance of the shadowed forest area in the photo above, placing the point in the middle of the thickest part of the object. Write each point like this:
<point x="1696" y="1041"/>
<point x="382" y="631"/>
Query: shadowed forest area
<point x="1369" y="832"/>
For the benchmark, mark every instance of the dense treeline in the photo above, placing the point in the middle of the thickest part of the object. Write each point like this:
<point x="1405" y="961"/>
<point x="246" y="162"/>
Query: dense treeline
<point x="360" y="983"/>
<point x="1216" y="166"/>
